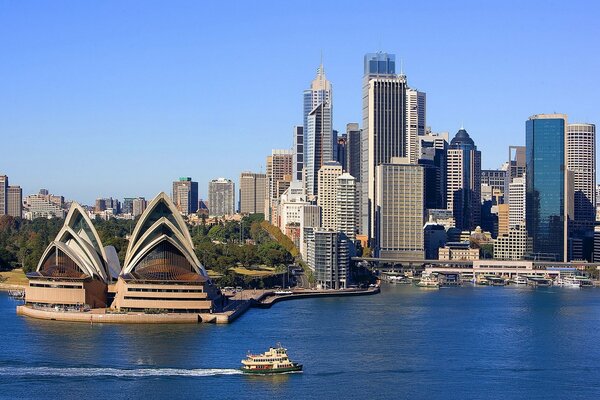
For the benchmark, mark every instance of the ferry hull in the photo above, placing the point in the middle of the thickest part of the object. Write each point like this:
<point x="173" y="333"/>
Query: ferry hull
<point x="295" y="368"/>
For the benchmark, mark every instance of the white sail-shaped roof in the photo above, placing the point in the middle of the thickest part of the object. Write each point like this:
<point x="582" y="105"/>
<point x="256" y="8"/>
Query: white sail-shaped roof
<point x="160" y="223"/>
<point x="79" y="241"/>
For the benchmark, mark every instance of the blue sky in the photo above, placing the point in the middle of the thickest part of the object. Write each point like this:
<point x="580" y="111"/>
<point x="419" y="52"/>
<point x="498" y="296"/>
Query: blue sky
<point x="119" y="98"/>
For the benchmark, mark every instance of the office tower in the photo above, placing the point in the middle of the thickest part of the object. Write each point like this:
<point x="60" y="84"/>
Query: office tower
<point x="310" y="219"/>
<point x="319" y="149"/>
<point x="341" y="150"/>
<point x="279" y="168"/>
<point x="100" y="205"/>
<point x="221" y="197"/>
<point x="185" y="195"/>
<point x="514" y="245"/>
<point x="346" y="205"/>
<point x="384" y="125"/>
<point x="3" y="194"/>
<point x="503" y="219"/>
<point x="253" y="192"/>
<point x="547" y="195"/>
<point x="298" y="153"/>
<point x="516" y="162"/>
<point x="326" y="199"/>
<point x="415" y="122"/>
<point x="581" y="160"/>
<point x="516" y="202"/>
<point x="496" y="179"/>
<point x="127" y="207"/>
<point x="463" y="177"/>
<point x="318" y="128"/>
<point x="432" y="155"/>
<point x="15" y="201"/>
<point x="400" y="210"/>
<point x="329" y="257"/>
<point x="434" y="237"/>
<point x="353" y="150"/>
<point x="291" y="203"/>
<point x="138" y="206"/>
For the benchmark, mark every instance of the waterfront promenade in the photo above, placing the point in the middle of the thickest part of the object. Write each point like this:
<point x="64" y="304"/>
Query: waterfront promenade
<point x="235" y="306"/>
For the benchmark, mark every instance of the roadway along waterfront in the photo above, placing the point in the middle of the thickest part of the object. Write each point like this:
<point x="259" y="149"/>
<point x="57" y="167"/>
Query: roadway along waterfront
<point x="466" y="342"/>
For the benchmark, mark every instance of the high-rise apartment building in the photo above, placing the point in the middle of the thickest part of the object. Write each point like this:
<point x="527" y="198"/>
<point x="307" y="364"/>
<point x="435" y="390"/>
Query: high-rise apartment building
<point x="253" y="192"/>
<point x="346" y="205"/>
<point x="14" y="201"/>
<point x="329" y="256"/>
<point x="221" y="197"/>
<point x="318" y="129"/>
<point x="138" y="206"/>
<point x="400" y="210"/>
<point x="384" y="125"/>
<point x="463" y="180"/>
<point x="327" y="193"/>
<point x="415" y="122"/>
<point x="581" y="160"/>
<point x="547" y="195"/>
<point x="185" y="195"/>
<point x="3" y="195"/>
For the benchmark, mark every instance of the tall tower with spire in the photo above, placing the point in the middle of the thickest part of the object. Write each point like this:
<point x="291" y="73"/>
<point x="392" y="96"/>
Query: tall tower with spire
<point x="318" y="129"/>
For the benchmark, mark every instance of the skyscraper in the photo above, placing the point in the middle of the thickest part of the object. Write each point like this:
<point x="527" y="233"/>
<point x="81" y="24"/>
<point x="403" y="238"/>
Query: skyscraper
<point x="3" y="195"/>
<point x="415" y="122"/>
<point x="346" y="205"/>
<point x="15" y="201"/>
<point x="185" y="195"/>
<point x="298" y="152"/>
<point x="253" y="194"/>
<point x="384" y="124"/>
<point x="221" y="197"/>
<point x="279" y="169"/>
<point x="138" y="206"/>
<point x="463" y="177"/>
<point x="547" y="195"/>
<point x="329" y="256"/>
<point x="353" y="150"/>
<point x="400" y="210"/>
<point x="581" y="160"/>
<point x="326" y="199"/>
<point x="516" y="202"/>
<point x="318" y="129"/>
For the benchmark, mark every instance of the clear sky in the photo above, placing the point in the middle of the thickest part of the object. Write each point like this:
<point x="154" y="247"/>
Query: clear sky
<point x="119" y="98"/>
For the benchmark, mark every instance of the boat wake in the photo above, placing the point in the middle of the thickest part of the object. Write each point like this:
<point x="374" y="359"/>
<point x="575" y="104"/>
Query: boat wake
<point x="113" y="372"/>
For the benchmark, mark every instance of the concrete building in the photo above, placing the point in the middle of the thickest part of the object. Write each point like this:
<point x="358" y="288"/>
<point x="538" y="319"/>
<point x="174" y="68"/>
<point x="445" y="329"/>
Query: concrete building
<point x="503" y="219"/>
<point x="14" y="201"/>
<point x="433" y="148"/>
<point x="516" y="162"/>
<point x="548" y="197"/>
<point x="497" y="180"/>
<point x="516" y="202"/>
<point x="253" y="192"/>
<point x="329" y="257"/>
<point x="138" y="206"/>
<point x="3" y="195"/>
<point x="384" y="126"/>
<point x="400" y="210"/>
<point x="185" y="195"/>
<point x="44" y="205"/>
<point x="514" y="245"/>
<point x="221" y="197"/>
<point x="318" y="129"/>
<point x="581" y="160"/>
<point x="415" y="122"/>
<point x="353" y="152"/>
<point x="327" y="193"/>
<point x="463" y="176"/>
<point x="291" y="203"/>
<point x="434" y="237"/>
<point x="279" y="169"/>
<point x="346" y="206"/>
<point x="310" y="219"/>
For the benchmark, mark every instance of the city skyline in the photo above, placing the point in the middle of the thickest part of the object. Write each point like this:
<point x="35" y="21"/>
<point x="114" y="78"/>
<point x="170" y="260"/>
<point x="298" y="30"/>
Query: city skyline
<point x="102" y="91"/>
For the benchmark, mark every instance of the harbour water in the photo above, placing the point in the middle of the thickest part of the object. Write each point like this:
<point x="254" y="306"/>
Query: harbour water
<point x="468" y="342"/>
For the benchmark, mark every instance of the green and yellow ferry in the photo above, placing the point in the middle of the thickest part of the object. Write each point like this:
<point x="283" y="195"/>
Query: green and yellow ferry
<point x="274" y="361"/>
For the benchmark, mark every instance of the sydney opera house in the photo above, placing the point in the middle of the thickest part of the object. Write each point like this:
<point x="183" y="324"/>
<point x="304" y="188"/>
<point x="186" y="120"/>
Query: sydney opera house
<point x="161" y="272"/>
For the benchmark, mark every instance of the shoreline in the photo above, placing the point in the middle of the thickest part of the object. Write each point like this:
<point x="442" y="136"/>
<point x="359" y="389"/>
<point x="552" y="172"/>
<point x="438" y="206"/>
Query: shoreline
<point x="262" y="300"/>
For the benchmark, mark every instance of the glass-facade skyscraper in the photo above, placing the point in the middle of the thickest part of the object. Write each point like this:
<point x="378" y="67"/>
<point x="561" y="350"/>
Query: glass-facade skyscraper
<point x="547" y="186"/>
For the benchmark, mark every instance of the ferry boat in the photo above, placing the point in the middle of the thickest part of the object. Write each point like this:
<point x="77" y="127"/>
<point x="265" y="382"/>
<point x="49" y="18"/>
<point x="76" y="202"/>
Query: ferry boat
<point x="274" y="361"/>
<point x="519" y="280"/>
<point x="570" y="282"/>
<point x="429" y="280"/>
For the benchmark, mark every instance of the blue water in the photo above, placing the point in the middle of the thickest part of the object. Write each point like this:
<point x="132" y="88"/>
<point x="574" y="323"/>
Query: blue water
<point x="467" y="343"/>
